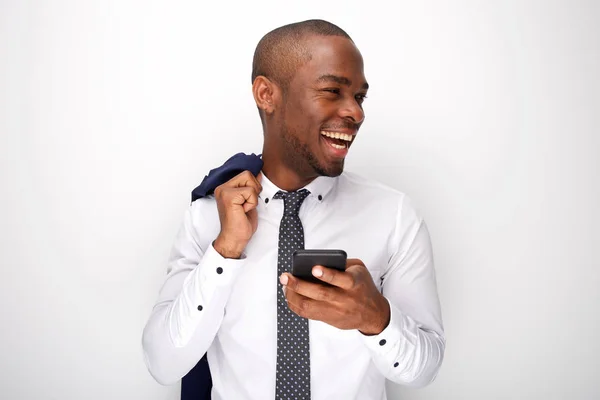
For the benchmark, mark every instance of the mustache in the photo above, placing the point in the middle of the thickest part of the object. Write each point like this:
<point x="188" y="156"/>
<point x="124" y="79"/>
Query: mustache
<point x="343" y="125"/>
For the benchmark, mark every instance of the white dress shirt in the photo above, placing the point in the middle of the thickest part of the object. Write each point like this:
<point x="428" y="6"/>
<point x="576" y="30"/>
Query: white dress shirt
<point x="228" y="307"/>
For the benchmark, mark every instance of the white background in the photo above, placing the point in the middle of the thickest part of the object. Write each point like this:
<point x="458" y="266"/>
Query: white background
<point x="486" y="113"/>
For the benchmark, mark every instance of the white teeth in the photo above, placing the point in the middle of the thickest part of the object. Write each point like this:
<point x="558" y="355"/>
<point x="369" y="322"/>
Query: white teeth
<point x="337" y="135"/>
<point x="338" y="146"/>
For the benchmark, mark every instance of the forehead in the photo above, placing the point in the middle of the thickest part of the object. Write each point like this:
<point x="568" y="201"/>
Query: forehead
<point x="332" y="55"/>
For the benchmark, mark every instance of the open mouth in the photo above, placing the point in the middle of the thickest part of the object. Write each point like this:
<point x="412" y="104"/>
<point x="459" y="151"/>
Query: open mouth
<point x="337" y="140"/>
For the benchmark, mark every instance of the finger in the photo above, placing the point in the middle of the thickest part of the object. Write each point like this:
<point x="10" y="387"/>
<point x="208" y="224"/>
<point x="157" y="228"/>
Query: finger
<point x="354" y="261"/>
<point x="360" y="273"/>
<point x="252" y="214"/>
<point x="243" y="196"/>
<point x="244" y="179"/>
<point x="301" y="305"/>
<point x="340" y="279"/>
<point x="309" y="308"/>
<point x="307" y="289"/>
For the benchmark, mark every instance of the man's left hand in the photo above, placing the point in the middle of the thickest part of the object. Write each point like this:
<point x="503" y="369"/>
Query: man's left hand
<point x="350" y="301"/>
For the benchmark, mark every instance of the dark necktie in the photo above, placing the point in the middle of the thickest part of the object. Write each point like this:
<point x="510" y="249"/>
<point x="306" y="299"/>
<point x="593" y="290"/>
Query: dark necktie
<point x="293" y="352"/>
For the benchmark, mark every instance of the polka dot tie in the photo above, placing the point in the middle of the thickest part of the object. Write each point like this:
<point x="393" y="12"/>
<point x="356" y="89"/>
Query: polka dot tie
<point x="293" y="352"/>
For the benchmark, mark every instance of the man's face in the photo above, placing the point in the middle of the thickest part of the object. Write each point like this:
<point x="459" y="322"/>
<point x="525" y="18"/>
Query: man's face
<point x="322" y="109"/>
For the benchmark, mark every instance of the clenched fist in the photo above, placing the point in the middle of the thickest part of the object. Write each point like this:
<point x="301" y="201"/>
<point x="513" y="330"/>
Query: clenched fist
<point x="236" y="201"/>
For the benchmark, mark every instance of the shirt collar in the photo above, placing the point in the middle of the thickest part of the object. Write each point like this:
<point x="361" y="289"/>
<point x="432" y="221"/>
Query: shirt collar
<point x="318" y="188"/>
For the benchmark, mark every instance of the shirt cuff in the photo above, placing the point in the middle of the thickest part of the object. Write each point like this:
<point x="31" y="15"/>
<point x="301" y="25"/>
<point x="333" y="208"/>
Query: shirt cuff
<point x="388" y="341"/>
<point x="204" y="295"/>
<point x="219" y="271"/>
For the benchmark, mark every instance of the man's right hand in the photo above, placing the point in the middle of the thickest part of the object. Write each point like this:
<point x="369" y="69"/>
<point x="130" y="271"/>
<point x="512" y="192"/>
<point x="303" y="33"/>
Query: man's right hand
<point x="236" y="201"/>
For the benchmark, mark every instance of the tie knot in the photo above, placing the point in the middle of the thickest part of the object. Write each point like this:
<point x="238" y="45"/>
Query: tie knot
<point x="292" y="200"/>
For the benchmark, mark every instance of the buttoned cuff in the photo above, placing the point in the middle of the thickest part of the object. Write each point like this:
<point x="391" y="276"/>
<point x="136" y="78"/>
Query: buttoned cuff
<point x="386" y="345"/>
<point x="217" y="270"/>
<point x="204" y="295"/>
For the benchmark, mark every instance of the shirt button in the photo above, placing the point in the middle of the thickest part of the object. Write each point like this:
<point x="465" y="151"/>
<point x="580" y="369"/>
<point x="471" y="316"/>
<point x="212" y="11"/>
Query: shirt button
<point x="266" y="200"/>
<point x="396" y="364"/>
<point x="199" y="308"/>
<point x="382" y="342"/>
<point x="320" y="197"/>
<point x="219" y="270"/>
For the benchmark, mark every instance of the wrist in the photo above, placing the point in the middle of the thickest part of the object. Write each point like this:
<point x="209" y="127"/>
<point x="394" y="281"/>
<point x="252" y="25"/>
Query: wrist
<point x="380" y="320"/>
<point x="228" y="249"/>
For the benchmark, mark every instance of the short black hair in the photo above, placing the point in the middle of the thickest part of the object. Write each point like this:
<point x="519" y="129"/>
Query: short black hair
<point x="280" y="52"/>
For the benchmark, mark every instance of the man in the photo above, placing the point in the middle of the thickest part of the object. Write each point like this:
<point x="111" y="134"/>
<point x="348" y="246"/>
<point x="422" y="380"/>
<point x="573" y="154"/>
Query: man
<point x="229" y="292"/>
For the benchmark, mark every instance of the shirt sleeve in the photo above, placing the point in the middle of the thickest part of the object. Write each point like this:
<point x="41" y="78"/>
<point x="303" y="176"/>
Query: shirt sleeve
<point x="190" y="305"/>
<point x="410" y="349"/>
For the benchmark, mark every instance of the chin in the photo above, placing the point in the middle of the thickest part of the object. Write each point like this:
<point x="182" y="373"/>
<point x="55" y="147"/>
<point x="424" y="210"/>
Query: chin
<point x="332" y="170"/>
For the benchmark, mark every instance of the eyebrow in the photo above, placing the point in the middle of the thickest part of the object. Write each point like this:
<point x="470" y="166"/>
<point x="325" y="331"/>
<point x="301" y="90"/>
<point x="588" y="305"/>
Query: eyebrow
<point x="341" y="80"/>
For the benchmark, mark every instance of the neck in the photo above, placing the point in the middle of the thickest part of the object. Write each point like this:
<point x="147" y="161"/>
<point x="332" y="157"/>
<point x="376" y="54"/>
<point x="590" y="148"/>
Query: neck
<point x="282" y="175"/>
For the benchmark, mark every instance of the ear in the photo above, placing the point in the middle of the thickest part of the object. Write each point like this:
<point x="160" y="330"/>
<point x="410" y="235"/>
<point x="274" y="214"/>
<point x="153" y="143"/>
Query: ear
<point x="266" y="94"/>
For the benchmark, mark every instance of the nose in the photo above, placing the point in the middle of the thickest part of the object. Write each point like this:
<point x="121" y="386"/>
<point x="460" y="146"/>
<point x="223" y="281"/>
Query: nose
<point x="351" y="109"/>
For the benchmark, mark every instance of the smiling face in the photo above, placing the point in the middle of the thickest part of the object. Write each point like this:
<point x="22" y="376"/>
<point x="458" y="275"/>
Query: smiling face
<point x="321" y="110"/>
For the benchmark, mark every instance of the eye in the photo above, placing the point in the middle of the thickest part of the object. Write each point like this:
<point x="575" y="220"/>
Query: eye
<point x="332" y="90"/>
<point x="360" y="98"/>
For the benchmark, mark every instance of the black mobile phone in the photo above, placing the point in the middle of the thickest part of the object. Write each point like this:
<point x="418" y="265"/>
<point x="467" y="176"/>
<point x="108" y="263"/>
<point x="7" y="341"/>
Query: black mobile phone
<point x="304" y="260"/>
